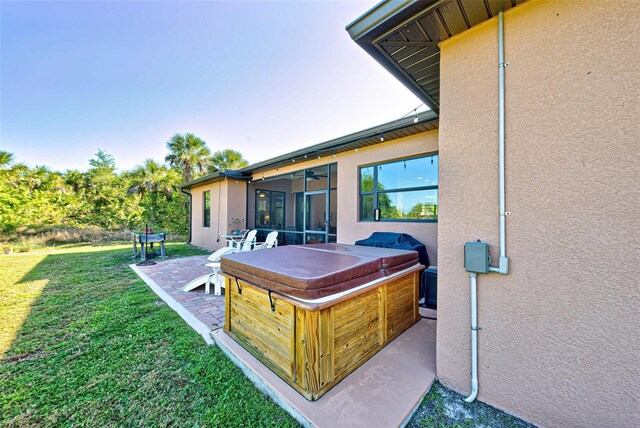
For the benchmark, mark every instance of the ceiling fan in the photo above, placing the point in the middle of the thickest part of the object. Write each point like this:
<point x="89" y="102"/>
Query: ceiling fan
<point x="313" y="176"/>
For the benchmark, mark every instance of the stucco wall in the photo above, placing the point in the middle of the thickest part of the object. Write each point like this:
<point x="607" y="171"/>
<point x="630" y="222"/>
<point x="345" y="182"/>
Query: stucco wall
<point x="236" y="203"/>
<point x="560" y="338"/>
<point x="228" y="199"/>
<point x="205" y="236"/>
<point x="349" y="228"/>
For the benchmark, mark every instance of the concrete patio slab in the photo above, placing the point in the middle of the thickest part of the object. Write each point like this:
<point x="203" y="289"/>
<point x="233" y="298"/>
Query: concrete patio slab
<point x="383" y="392"/>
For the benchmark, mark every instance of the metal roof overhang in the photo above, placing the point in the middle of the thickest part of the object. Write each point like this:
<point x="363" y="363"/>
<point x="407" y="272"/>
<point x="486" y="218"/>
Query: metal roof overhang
<point x="404" y="35"/>
<point x="214" y="177"/>
<point x="404" y="127"/>
<point x="400" y="128"/>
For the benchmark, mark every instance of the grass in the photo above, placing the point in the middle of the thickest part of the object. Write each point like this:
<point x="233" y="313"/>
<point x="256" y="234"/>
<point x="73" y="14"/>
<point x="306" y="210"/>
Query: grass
<point x="442" y="407"/>
<point x="84" y="342"/>
<point x="24" y="239"/>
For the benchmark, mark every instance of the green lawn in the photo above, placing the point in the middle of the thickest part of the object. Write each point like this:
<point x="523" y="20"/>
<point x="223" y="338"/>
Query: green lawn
<point x="84" y="342"/>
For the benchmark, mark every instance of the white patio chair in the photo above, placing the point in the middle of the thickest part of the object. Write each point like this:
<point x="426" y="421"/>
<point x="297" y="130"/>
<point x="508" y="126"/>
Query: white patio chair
<point x="249" y="241"/>
<point x="247" y="245"/>
<point x="270" y="241"/>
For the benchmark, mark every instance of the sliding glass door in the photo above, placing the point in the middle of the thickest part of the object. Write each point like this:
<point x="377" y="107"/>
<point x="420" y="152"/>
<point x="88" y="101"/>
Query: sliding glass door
<point x="316" y="217"/>
<point x="320" y="204"/>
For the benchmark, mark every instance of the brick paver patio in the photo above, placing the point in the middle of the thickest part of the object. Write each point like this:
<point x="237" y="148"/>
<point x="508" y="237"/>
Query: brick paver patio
<point x="172" y="275"/>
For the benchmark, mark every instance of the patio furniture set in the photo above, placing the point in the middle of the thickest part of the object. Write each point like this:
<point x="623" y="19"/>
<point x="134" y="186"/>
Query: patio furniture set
<point x="243" y="241"/>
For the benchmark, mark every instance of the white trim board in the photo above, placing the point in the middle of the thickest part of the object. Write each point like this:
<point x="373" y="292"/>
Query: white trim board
<point x="187" y="316"/>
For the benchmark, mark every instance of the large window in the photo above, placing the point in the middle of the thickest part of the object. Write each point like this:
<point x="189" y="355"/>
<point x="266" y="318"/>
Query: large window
<point x="404" y="190"/>
<point x="270" y="209"/>
<point x="206" y="215"/>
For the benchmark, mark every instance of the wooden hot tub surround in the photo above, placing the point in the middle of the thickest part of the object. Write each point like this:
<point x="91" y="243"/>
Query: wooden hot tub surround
<point x="312" y="344"/>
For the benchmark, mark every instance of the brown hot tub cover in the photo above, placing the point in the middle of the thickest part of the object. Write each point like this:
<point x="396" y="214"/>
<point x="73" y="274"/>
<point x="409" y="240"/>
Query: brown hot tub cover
<point x="315" y="271"/>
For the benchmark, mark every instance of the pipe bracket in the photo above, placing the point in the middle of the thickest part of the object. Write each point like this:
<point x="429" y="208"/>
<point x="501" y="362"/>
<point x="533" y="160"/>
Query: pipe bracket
<point x="476" y="328"/>
<point x="506" y="213"/>
<point x="503" y="64"/>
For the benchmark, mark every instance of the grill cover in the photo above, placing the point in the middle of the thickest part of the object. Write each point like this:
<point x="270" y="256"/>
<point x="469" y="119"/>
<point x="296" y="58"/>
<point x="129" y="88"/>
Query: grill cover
<point x="315" y="271"/>
<point x="396" y="240"/>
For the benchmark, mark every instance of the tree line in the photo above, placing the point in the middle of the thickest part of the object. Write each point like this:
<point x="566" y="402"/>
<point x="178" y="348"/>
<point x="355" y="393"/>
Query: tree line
<point x="107" y="198"/>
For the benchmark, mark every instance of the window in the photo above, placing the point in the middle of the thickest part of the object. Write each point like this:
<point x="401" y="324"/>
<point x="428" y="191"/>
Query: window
<point x="404" y="190"/>
<point x="206" y="215"/>
<point x="269" y="209"/>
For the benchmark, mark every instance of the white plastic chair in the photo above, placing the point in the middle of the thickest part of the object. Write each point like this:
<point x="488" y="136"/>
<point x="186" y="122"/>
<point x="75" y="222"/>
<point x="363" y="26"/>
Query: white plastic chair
<point x="270" y="241"/>
<point x="247" y="245"/>
<point x="249" y="241"/>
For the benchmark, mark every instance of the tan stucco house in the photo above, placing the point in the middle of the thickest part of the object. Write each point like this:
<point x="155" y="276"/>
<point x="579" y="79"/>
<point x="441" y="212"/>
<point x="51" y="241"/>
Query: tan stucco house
<point x="559" y="313"/>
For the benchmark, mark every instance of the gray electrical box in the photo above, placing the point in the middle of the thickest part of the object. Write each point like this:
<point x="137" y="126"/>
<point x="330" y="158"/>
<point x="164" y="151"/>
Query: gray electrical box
<point x="476" y="257"/>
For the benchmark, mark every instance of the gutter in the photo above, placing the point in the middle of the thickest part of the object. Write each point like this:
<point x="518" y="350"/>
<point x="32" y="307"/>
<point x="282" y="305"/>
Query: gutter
<point x="182" y="190"/>
<point x="216" y="176"/>
<point x="376" y="16"/>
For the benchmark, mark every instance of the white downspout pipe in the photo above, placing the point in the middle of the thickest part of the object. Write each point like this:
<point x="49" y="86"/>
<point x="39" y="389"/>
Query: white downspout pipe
<point x="503" y="266"/>
<point x="474" y="338"/>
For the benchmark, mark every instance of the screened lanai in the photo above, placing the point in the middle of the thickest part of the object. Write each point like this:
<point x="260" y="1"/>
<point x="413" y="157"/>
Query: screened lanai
<point x="300" y="205"/>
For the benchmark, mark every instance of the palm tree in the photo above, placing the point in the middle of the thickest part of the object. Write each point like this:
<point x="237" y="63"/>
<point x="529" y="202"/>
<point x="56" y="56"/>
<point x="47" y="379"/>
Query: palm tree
<point x="152" y="179"/>
<point x="75" y="179"/>
<point x="188" y="153"/>
<point x="6" y="159"/>
<point x="227" y="159"/>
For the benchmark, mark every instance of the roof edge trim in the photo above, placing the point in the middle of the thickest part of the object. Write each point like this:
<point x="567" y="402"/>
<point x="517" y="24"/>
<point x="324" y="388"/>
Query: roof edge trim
<point x="373" y="17"/>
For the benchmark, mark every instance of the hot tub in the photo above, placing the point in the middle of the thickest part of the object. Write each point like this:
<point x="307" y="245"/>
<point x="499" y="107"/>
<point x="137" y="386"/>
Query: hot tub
<point x="315" y="313"/>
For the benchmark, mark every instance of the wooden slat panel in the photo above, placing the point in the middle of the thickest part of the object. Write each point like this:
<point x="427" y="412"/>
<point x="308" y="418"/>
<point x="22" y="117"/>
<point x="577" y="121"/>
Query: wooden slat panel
<point x="260" y="342"/>
<point x="357" y="311"/>
<point x="345" y="308"/>
<point x="364" y="316"/>
<point x="400" y="308"/>
<point x="401" y="305"/>
<point x="227" y="302"/>
<point x="399" y="289"/>
<point x="400" y="299"/>
<point x="284" y="310"/>
<point x="326" y="346"/>
<point x="260" y="321"/>
<point x="307" y="350"/>
<point x="248" y="319"/>
<point x="262" y="347"/>
<point x="382" y="314"/>
<point x="399" y="321"/>
<point x="299" y="353"/>
<point x="268" y="334"/>
<point x="284" y="323"/>
<point x="344" y="343"/>
<point x="350" y="358"/>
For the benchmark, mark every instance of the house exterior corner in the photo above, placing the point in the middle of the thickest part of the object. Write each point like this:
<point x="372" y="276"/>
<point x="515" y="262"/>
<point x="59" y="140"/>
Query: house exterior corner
<point x="559" y="332"/>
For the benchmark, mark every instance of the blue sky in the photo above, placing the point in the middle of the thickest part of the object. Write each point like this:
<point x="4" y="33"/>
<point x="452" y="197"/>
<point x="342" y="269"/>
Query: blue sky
<point x="263" y="78"/>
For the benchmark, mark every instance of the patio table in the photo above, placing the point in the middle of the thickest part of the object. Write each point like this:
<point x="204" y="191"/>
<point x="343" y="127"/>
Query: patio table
<point x="234" y="240"/>
<point x="141" y="238"/>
